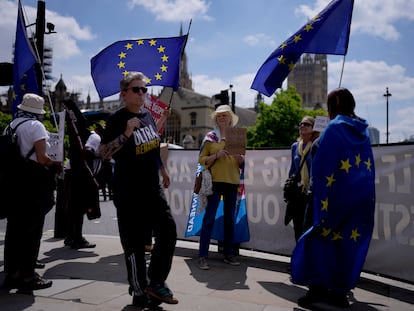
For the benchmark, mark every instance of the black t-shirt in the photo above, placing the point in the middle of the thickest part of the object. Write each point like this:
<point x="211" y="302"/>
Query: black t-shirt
<point x="138" y="161"/>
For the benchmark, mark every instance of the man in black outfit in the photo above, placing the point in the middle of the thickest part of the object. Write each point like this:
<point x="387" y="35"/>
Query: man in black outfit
<point x="132" y="140"/>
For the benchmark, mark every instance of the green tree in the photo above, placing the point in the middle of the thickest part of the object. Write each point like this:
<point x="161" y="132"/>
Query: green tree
<point x="277" y="123"/>
<point x="5" y="119"/>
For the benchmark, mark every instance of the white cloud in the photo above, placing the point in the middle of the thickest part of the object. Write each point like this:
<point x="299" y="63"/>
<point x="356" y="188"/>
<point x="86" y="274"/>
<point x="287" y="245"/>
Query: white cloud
<point x="259" y="39"/>
<point x="177" y="10"/>
<point x="68" y="33"/>
<point x="209" y="86"/>
<point x="368" y="80"/>
<point x="65" y="40"/>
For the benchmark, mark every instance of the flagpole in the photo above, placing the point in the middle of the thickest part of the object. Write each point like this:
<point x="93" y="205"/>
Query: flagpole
<point x="182" y="53"/>
<point x="342" y="71"/>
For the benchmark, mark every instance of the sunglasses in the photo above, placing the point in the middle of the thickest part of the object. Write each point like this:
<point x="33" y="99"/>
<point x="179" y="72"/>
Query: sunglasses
<point x="136" y="89"/>
<point x="305" y="124"/>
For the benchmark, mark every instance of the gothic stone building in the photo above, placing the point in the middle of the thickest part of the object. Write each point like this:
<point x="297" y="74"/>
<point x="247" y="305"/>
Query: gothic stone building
<point x="310" y="78"/>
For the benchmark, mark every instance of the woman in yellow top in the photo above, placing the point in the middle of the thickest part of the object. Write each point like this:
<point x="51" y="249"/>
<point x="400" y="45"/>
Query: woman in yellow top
<point x="225" y="173"/>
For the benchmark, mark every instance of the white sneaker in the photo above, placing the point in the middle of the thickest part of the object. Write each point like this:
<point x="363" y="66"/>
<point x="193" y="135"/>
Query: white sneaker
<point x="203" y="264"/>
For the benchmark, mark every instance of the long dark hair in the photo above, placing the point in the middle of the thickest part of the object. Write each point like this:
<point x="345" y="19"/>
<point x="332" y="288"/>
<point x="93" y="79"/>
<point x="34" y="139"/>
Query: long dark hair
<point x="341" y="101"/>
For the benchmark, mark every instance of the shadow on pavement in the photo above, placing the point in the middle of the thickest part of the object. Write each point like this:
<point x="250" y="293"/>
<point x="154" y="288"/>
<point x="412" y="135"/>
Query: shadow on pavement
<point x="107" y="269"/>
<point x="387" y="290"/>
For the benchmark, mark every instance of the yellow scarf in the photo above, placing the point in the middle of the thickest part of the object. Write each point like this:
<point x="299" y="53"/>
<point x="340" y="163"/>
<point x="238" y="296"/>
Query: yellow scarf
<point x="304" y="175"/>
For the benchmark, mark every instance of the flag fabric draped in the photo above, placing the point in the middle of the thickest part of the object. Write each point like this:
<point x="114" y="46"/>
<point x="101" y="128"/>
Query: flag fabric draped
<point x="327" y="33"/>
<point x="332" y="253"/>
<point x="158" y="59"/>
<point x="24" y="70"/>
<point x="84" y="186"/>
<point x="241" y="224"/>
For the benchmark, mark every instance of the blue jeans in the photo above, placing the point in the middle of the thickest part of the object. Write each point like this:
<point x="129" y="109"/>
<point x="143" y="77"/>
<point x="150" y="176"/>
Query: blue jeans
<point x="229" y="192"/>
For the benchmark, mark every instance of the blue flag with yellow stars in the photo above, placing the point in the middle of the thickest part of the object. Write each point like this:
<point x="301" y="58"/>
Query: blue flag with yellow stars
<point x="158" y="59"/>
<point x="24" y="72"/>
<point x="326" y="33"/>
<point x="333" y="251"/>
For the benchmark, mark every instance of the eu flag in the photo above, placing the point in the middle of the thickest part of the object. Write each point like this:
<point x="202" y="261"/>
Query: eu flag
<point x="332" y="253"/>
<point x="326" y="33"/>
<point x="158" y="59"/>
<point x="24" y="71"/>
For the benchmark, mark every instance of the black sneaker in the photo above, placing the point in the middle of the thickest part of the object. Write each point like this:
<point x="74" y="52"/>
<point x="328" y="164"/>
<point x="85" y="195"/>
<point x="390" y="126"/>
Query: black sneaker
<point x="162" y="293"/>
<point x="313" y="296"/>
<point x="145" y="301"/>
<point x="231" y="260"/>
<point x="39" y="265"/>
<point x="34" y="283"/>
<point x="82" y="244"/>
<point x="140" y="301"/>
<point x="68" y="242"/>
<point x="338" y="299"/>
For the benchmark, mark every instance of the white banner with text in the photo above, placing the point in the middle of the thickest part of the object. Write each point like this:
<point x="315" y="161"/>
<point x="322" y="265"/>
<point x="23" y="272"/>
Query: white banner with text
<point x="391" y="251"/>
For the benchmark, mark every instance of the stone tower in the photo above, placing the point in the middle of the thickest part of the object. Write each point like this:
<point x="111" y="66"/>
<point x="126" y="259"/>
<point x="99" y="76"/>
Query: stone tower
<point x="185" y="80"/>
<point x="310" y="78"/>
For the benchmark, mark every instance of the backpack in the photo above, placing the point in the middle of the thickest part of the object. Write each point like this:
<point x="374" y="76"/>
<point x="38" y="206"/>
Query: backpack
<point x="10" y="164"/>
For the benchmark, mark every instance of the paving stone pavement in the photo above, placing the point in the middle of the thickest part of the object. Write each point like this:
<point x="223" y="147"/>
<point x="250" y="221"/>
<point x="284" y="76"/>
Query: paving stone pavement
<point x="95" y="279"/>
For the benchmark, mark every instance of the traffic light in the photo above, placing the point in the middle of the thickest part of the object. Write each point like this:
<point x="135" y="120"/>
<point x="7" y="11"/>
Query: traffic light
<point x="223" y="97"/>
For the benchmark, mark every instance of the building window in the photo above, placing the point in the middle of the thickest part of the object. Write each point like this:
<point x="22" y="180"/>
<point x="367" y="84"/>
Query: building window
<point x="193" y="119"/>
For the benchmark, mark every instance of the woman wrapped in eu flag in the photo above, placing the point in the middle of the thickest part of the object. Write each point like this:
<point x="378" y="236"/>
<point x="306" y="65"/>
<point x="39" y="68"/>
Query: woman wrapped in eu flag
<point x="329" y="257"/>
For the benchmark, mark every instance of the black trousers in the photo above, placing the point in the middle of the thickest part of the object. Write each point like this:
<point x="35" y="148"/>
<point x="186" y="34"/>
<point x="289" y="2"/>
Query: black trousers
<point x="26" y="218"/>
<point x="81" y="196"/>
<point x="140" y="210"/>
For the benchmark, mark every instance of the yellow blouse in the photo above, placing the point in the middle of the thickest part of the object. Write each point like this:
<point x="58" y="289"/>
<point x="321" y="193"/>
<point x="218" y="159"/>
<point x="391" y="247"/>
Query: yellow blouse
<point x="224" y="169"/>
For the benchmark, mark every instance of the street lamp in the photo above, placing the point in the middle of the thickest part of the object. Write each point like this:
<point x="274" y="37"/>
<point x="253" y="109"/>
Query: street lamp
<point x="387" y="94"/>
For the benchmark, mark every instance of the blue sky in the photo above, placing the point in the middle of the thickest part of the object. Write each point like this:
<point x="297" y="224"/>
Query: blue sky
<point x="230" y="39"/>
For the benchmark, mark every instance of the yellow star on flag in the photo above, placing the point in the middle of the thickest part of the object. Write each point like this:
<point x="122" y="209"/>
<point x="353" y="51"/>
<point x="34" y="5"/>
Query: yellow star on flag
<point x="158" y="76"/>
<point x="336" y="236"/>
<point x="331" y="180"/>
<point x="357" y="160"/>
<point x="325" y="232"/>
<point x="368" y="164"/>
<point x="324" y="205"/>
<point x="297" y="38"/>
<point x="308" y="27"/>
<point x="283" y="45"/>
<point x="354" y="235"/>
<point x="281" y="59"/>
<point x="345" y="165"/>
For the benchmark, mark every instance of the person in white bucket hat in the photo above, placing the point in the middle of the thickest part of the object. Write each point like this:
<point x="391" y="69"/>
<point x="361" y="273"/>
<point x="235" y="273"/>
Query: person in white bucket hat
<point x="32" y="197"/>
<point x="225" y="174"/>
<point x="32" y="103"/>
<point x="225" y="109"/>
